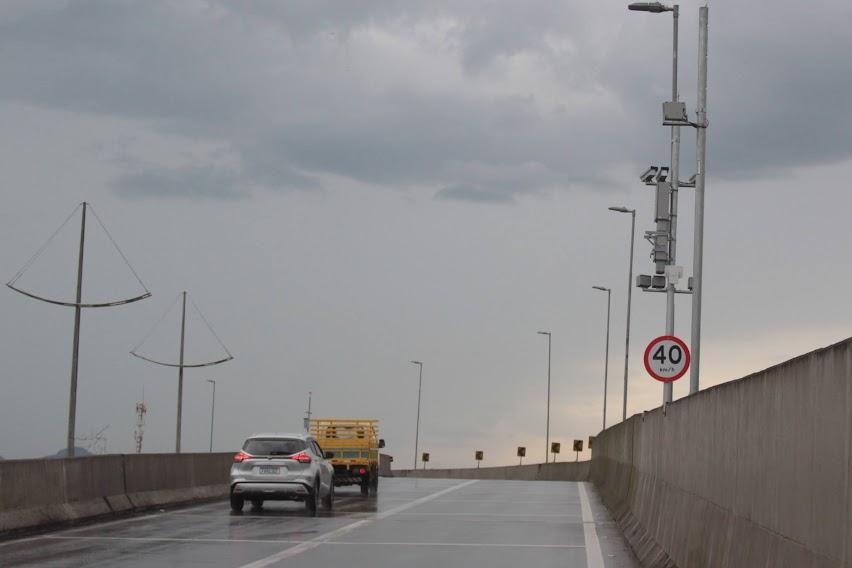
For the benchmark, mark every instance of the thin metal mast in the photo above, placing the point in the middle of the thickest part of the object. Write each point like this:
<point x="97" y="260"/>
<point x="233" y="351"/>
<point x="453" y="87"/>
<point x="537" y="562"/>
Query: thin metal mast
<point x="75" y="355"/>
<point x="180" y="372"/>
<point x="212" y="412"/>
<point x="606" y="357"/>
<point x="417" y="429"/>
<point x="701" y="151"/>
<point x="675" y="173"/>
<point x="547" y="435"/>
<point x="629" y="298"/>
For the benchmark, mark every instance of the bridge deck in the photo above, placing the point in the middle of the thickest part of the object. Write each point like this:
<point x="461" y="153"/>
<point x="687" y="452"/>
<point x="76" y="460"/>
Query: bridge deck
<point x="412" y="523"/>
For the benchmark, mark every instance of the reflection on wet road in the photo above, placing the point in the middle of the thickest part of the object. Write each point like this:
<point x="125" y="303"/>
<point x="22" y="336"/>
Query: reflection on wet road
<point x="411" y="523"/>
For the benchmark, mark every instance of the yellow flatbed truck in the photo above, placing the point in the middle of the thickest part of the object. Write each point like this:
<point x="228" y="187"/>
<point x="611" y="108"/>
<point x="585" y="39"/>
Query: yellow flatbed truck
<point x="355" y="445"/>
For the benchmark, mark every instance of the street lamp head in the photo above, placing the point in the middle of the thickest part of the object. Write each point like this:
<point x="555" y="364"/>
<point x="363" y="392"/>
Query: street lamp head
<point x="211" y="381"/>
<point x="417" y="362"/>
<point x="601" y="288"/>
<point x="653" y="7"/>
<point x="622" y="209"/>
<point x="543" y="332"/>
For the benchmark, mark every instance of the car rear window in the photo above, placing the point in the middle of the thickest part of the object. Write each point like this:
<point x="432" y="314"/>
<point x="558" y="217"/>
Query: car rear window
<point x="273" y="446"/>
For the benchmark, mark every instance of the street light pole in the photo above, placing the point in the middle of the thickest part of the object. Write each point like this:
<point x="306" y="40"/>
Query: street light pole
<point x="547" y="435"/>
<point x="629" y="298"/>
<point x="701" y="155"/>
<point x="658" y="8"/>
<point x="675" y="161"/>
<point x="417" y="430"/>
<point x="212" y="412"/>
<point x="606" y="356"/>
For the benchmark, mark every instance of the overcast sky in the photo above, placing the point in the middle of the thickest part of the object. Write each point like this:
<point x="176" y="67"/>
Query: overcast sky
<point x="345" y="186"/>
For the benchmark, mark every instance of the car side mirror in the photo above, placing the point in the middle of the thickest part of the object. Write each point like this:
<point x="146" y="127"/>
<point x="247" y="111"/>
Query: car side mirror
<point x="329" y="455"/>
<point x="381" y="443"/>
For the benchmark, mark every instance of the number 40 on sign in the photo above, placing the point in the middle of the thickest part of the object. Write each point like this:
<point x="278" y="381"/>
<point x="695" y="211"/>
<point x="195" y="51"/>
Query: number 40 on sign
<point x="666" y="358"/>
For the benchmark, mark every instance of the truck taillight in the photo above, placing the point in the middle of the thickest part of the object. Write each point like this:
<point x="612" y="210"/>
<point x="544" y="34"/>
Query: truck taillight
<point x="241" y="456"/>
<point x="362" y="471"/>
<point x="301" y="457"/>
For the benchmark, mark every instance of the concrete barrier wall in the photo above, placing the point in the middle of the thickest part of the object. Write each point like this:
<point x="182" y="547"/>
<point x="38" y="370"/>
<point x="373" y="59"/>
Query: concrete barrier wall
<point x="560" y="471"/>
<point x="754" y="472"/>
<point x="49" y="491"/>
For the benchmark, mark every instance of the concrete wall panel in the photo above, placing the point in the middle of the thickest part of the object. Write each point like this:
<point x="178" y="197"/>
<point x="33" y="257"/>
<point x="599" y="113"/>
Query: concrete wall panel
<point x="560" y="471"/>
<point x="49" y="491"/>
<point x="754" y="472"/>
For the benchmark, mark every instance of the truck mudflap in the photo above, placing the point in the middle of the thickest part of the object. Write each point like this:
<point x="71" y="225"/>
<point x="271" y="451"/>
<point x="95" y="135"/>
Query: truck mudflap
<point x="350" y="476"/>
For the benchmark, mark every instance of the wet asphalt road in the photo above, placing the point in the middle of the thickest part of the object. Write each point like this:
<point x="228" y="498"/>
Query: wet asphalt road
<point x="413" y="523"/>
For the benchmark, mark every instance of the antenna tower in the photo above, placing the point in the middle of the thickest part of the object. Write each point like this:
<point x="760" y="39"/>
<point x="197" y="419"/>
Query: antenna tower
<point x="139" y="433"/>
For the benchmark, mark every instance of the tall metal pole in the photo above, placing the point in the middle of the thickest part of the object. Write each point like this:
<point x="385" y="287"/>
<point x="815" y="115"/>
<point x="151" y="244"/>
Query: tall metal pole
<point x="606" y="355"/>
<point x="606" y="358"/>
<point x="180" y="373"/>
<point x="417" y="430"/>
<point x="629" y="297"/>
<point x="701" y="155"/>
<point x="547" y="440"/>
<point x="547" y="435"/>
<point x="675" y="172"/>
<point x="212" y="412"/>
<point x="75" y="355"/>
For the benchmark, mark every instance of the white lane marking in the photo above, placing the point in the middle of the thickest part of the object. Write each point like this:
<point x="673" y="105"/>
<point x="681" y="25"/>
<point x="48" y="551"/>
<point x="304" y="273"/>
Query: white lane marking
<point x="594" y="556"/>
<point x="175" y="539"/>
<point x="335" y="542"/>
<point x="317" y="541"/>
<point x="95" y="525"/>
<point x="508" y="515"/>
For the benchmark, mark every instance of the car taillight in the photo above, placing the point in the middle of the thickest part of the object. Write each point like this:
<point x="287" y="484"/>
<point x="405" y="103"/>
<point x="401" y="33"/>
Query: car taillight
<point x="362" y="471"/>
<point x="241" y="456"/>
<point x="301" y="457"/>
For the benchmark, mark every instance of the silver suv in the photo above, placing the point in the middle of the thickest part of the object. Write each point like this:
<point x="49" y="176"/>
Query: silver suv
<point x="282" y="467"/>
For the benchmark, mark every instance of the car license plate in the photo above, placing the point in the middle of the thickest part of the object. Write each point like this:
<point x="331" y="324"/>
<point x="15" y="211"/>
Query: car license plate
<point x="268" y="469"/>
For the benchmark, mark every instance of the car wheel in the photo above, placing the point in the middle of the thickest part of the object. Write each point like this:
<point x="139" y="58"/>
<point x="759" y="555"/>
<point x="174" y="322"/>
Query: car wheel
<point x="257" y="503"/>
<point x="312" y="500"/>
<point x="237" y="503"/>
<point x="328" y="500"/>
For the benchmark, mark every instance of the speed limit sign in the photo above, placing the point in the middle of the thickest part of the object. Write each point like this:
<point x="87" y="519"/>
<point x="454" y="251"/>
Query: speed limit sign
<point x="666" y="358"/>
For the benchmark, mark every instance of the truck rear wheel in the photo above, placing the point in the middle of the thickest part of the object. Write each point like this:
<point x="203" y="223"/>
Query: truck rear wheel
<point x="365" y="488"/>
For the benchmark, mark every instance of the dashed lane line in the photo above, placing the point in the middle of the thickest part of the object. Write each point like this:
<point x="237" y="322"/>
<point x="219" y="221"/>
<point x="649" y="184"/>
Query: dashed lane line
<point x="324" y="538"/>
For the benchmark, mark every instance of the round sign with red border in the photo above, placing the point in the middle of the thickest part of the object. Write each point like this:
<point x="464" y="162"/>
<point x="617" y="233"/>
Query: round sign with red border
<point x="666" y="358"/>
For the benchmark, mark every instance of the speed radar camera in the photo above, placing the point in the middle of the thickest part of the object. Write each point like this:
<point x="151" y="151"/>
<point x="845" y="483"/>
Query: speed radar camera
<point x="425" y="457"/>
<point x="578" y="445"/>
<point x="555" y="447"/>
<point x="478" y="455"/>
<point x="522" y="451"/>
<point x="647" y="176"/>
